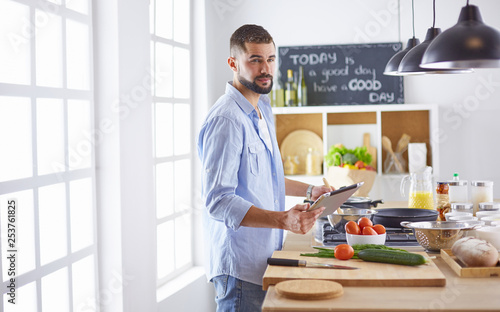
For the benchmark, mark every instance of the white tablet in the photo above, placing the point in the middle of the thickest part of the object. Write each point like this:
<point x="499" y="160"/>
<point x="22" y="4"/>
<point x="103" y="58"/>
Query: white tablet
<point x="335" y="199"/>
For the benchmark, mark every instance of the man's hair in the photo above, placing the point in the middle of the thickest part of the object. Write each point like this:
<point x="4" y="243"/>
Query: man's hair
<point x="248" y="33"/>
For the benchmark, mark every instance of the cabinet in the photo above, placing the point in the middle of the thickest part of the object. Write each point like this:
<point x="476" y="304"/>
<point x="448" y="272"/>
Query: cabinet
<point x="346" y="125"/>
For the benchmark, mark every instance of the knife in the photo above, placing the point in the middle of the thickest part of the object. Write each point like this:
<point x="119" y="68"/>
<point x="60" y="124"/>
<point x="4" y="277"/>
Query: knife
<point x="304" y="263"/>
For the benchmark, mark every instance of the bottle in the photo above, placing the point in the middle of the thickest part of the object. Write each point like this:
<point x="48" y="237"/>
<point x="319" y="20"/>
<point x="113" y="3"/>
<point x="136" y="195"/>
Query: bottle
<point x="277" y="93"/>
<point x="443" y="205"/>
<point x="290" y="90"/>
<point x="313" y="163"/>
<point x="458" y="190"/>
<point x="301" y="88"/>
<point x="290" y="167"/>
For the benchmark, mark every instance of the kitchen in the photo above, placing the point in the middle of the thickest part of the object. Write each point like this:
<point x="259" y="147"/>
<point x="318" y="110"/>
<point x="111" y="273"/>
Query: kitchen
<point x="467" y="105"/>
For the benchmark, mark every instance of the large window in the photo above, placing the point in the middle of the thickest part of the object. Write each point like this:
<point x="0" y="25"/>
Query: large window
<point x="47" y="156"/>
<point x="172" y="109"/>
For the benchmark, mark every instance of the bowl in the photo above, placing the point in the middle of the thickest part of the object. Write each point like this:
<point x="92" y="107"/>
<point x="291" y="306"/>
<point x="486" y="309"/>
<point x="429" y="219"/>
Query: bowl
<point x="487" y="220"/>
<point x="462" y="218"/>
<point x="456" y="213"/>
<point x="437" y="235"/>
<point x="338" y="220"/>
<point x="490" y="234"/>
<point x="486" y="213"/>
<point x="353" y="239"/>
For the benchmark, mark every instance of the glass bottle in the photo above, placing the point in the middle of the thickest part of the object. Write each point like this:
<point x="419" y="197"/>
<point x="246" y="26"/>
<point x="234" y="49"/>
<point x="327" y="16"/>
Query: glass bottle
<point x="442" y="200"/>
<point x="458" y="190"/>
<point x="301" y="88"/>
<point x="277" y="93"/>
<point x="290" y="167"/>
<point x="313" y="163"/>
<point x="290" y="90"/>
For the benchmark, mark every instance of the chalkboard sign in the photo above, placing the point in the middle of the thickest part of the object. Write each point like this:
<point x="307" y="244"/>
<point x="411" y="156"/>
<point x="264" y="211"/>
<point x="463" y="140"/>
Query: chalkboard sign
<point x="345" y="74"/>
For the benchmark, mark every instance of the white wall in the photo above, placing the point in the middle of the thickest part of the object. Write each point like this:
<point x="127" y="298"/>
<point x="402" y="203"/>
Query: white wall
<point x="469" y="104"/>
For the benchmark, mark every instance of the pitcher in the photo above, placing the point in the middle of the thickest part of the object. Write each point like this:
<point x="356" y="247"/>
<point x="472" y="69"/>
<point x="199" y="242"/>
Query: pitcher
<point x="420" y="189"/>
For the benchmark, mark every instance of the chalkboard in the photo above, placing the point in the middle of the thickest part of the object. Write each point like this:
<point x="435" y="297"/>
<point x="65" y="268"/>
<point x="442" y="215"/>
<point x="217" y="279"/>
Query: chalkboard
<point x="349" y="74"/>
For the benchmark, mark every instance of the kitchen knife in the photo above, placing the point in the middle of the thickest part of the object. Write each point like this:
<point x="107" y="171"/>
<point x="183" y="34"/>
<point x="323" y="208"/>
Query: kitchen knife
<point x="304" y="263"/>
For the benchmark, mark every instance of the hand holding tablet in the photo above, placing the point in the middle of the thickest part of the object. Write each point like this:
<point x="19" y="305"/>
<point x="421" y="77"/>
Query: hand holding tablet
<point x="333" y="200"/>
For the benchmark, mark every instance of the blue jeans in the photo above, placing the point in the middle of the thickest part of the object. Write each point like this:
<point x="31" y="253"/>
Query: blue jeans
<point x="235" y="295"/>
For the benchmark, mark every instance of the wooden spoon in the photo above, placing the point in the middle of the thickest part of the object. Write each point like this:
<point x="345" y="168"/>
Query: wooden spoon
<point x="386" y="143"/>
<point x="403" y="143"/>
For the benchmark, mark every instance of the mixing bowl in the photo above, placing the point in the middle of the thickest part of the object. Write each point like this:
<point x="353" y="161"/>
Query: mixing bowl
<point x="338" y="220"/>
<point x="437" y="235"/>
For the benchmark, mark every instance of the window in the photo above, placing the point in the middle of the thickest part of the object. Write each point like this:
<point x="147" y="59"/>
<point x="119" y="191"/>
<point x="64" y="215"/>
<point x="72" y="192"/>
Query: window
<point x="47" y="154"/>
<point x="172" y="109"/>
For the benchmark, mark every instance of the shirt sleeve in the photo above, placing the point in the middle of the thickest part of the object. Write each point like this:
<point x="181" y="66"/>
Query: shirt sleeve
<point x="220" y="151"/>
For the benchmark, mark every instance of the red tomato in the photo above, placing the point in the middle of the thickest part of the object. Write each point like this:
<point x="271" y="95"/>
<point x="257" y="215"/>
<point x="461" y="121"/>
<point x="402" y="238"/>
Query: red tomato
<point x="352" y="227"/>
<point x="368" y="230"/>
<point x="379" y="228"/>
<point x="364" y="221"/>
<point x="343" y="252"/>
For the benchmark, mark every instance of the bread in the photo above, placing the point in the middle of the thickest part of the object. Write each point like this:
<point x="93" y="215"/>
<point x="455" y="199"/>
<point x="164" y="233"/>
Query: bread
<point x="474" y="252"/>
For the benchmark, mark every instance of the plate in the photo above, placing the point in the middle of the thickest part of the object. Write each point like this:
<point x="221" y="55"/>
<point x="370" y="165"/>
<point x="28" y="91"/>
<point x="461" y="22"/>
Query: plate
<point x="297" y="144"/>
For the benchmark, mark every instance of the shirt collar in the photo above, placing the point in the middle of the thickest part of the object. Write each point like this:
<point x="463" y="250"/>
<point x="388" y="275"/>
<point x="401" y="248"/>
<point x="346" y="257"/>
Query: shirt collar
<point x="244" y="104"/>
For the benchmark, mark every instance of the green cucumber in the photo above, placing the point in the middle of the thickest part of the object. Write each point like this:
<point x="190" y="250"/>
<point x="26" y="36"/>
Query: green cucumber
<point x="391" y="256"/>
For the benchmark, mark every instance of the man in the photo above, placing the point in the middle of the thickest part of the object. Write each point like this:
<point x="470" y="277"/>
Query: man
<point x="242" y="176"/>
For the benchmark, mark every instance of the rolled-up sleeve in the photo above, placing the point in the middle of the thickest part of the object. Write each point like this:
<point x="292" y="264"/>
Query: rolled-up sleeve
<point x="220" y="146"/>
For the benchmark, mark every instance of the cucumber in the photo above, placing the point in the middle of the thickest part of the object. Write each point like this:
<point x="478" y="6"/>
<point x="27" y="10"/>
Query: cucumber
<point x="391" y="256"/>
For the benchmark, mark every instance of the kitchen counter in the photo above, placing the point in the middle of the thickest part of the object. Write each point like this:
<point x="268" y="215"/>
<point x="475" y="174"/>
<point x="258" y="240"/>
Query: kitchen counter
<point x="459" y="294"/>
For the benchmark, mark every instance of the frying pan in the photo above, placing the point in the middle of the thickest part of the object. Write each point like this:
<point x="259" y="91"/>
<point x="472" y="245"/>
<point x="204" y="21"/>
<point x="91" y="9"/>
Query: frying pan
<point x="392" y="217"/>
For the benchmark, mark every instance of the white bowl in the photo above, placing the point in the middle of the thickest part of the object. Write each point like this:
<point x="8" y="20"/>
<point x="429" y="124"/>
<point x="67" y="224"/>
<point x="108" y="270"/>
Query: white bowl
<point x="490" y="234"/>
<point x="456" y="213"/>
<point x="461" y="218"/>
<point x="353" y="239"/>
<point x="495" y="223"/>
<point x="487" y="220"/>
<point x="486" y="213"/>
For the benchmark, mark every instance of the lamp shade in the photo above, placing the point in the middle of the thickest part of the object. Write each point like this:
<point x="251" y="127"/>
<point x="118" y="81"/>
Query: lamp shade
<point x="410" y="64"/>
<point x="391" y="69"/>
<point x="468" y="44"/>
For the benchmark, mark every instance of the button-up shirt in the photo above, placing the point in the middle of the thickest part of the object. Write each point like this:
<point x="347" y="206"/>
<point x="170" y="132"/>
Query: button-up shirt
<point x="238" y="171"/>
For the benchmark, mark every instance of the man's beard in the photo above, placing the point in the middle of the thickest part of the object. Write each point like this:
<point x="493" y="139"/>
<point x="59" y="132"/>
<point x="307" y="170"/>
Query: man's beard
<point x="253" y="86"/>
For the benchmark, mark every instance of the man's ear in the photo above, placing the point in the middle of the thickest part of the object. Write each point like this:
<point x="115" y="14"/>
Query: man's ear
<point x="231" y="61"/>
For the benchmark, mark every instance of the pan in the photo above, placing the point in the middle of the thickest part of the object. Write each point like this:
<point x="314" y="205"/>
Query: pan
<point x="392" y="217"/>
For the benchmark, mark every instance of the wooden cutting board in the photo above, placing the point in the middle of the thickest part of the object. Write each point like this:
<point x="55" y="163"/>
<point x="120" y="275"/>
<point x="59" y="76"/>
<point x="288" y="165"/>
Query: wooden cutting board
<point x="368" y="274"/>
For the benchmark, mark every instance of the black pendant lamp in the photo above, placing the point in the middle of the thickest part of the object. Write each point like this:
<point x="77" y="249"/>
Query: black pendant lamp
<point x="391" y="69"/>
<point x="410" y="64"/>
<point x="468" y="44"/>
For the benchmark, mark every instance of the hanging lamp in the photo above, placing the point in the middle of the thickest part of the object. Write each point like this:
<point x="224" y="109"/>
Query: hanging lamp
<point x="410" y="64"/>
<point x="391" y="69"/>
<point x="468" y="44"/>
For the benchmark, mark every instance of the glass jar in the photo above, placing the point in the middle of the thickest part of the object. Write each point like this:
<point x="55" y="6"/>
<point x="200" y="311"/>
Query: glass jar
<point x="442" y="200"/>
<point x="290" y="167"/>
<point x="458" y="191"/>
<point x="481" y="191"/>
<point x="462" y="207"/>
<point x="313" y="162"/>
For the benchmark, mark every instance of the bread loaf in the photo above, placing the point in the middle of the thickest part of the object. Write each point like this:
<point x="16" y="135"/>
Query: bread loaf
<point x="474" y="252"/>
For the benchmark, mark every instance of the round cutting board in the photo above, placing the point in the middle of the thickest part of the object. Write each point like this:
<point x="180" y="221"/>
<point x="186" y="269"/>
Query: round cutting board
<point x="297" y="143"/>
<point x="309" y="289"/>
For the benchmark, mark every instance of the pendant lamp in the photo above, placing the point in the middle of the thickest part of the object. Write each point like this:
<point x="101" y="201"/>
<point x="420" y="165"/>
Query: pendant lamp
<point x="468" y="44"/>
<point x="410" y="64"/>
<point x="391" y="69"/>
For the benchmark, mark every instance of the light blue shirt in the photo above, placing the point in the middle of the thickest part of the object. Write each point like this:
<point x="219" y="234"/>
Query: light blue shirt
<point x="238" y="171"/>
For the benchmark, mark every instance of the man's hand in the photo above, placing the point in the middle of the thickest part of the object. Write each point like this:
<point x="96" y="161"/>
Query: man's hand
<point x="300" y="221"/>
<point x="319" y="190"/>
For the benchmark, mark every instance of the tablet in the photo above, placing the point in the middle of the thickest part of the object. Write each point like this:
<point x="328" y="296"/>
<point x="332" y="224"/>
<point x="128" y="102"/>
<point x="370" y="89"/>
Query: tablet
<point x="335" y="199"/>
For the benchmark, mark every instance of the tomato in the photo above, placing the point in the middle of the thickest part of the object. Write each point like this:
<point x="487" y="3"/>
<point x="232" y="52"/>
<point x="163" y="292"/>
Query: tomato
<point x="359" y="164"/>
<point x="364" y="221"/>
<point x="368" y="230"/>
<point x="343" y="252"/>
<point x="352" y="227"/>
<point x="379" y="228"/>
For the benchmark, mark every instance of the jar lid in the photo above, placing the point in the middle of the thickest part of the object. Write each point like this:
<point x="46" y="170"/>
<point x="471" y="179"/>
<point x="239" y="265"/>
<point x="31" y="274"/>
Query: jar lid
<point x="489" y="206"/>
<point x="461" y="206"/>
<point x="482" y="183"/>
<point x="458" y="183"/>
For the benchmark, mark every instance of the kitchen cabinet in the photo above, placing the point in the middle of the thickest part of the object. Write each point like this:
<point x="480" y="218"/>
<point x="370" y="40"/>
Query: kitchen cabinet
<point x="347" y="124"/>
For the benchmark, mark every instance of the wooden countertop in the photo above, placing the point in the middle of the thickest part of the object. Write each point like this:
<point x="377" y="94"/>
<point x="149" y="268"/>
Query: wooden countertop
<point x="459" y="294"/>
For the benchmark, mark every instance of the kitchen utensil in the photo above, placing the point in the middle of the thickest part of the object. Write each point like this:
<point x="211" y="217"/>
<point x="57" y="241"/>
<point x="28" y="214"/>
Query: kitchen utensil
<point x="386" y="143"/>
<point x="392" y="217"/>
<point x="402" y="143"/>
<point x="362" y="202"/>
<point x="370" y="149"/>
<point x="421" y="192"/>
<point x="309" y="289"/>
<point x="338" y="220"/>
<point x="353" y="239"/>
<point x="437" y="235"/>
<point x="297" y="143"/>
<point x="369" y="274"/>
<point x="304" y="263"/>
<point x="463" y="271"/>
